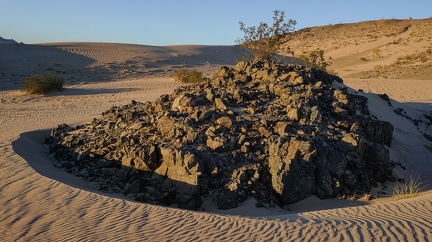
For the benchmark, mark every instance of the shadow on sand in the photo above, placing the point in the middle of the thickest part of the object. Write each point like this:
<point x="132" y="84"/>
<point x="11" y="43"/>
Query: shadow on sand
<point x="30" y="147"/>
<point x="87" y="91"/>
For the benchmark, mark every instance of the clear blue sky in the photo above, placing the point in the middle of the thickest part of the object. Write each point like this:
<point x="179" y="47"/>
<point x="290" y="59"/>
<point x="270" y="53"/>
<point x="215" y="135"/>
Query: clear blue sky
<point x="170" y="22"/>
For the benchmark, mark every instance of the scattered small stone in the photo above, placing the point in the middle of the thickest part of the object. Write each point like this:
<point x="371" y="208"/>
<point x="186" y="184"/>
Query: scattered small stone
<point x="369" y="197"/>
<point x="386" y="98"/>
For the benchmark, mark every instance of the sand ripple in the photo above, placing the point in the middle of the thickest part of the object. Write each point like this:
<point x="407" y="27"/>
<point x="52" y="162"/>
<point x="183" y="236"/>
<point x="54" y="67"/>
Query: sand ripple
<point x="39" y="208"/>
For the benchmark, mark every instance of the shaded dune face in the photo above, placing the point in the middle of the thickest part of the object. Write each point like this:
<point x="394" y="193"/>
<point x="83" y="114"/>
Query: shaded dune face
<point x="96" y="62"/>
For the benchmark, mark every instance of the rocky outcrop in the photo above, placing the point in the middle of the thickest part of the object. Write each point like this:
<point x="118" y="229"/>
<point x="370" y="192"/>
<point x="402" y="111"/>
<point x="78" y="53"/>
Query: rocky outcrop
<point x="279" y="133"/>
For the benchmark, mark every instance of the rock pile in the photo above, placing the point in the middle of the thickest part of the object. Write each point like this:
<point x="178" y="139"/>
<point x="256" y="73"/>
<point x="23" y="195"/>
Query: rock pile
<point x="279" y="133"/>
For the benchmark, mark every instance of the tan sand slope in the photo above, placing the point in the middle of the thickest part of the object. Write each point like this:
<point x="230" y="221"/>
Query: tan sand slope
<point x="387" y="48"/>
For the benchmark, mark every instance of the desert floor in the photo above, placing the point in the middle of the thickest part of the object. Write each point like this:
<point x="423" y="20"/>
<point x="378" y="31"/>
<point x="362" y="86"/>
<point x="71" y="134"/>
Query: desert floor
<point x="41" y="203"/>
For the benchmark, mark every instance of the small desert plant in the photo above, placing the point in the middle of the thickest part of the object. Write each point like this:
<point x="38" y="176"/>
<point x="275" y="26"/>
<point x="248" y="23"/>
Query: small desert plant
<point x="332" y="72"/>
<point x="407" y="189"/>
<point x="421" y="57"/>
<point x="189" y="76"/>
<point x="212" y="195"/>
<point x="264" y="41"/>
<point x="377" y="53"/>
<point x="42" y="84"/>
<point x="315" y="59"/>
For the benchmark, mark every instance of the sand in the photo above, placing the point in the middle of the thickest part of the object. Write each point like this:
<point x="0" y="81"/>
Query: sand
<point x="41" y="203"/>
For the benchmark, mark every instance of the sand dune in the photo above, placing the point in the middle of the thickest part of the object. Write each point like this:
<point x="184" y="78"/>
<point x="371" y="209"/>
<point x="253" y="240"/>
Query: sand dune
<point x="96" y="62"/>
<point x="41" y="203"/>
<point x="387" y="48"/>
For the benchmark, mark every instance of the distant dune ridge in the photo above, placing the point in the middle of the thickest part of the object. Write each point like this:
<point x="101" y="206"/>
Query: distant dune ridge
<point x="7" y="41"/>
<point x="41" y="203"/>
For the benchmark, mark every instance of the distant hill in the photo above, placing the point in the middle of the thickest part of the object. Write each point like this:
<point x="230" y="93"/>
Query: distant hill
<point x="7" y="41"/>
<point x="372" y="49"/>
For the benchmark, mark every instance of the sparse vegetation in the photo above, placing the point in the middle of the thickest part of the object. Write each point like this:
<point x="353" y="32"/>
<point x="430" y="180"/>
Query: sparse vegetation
<point x="42" y="84"/>
<point x="407" y="189"/>
<point x="377" y="53"/>
<point x="189" y="76"/>
<point x="421" y="57"/>
<point x="332" y="72"/>
<point x="264" y="41"/>
<point x="416" y="65"/>
<point x="316" y="59"/>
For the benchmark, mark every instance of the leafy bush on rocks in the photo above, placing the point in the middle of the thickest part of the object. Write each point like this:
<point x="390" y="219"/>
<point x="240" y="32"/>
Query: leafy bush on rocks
<point x="42" y="84"/>
<point x="264" y="41"/>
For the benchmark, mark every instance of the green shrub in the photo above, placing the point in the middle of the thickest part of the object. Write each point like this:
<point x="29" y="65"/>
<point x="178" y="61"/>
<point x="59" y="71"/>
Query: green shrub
<point x="264" y="41"/>
<point x="42" y="84"/>
<point x="407" y="189"/>
<point x="189" y="76"/>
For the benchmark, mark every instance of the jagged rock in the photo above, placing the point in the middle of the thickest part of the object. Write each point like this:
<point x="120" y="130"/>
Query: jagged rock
<point x="386" y="98"/>
<point x="217" y="144"/>
<point x="225" y="122"/>
<point x="379" y="131"/>
<point x="281" y="128"/>
<point x="227" y="200"/>
<point x="166" y="127"/>
<point x="182" y="102"/>
<point x="279" y="133"/>
<point x="377" y="157"/>
<point x="291" y="168"/>
<point x="220" y="104"/>
<point x="293" y="114"/>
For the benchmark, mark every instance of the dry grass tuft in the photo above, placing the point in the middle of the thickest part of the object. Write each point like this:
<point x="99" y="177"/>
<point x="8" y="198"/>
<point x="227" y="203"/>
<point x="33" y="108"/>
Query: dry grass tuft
<point x="407" y="189"/>
<point x="42" y="84"/>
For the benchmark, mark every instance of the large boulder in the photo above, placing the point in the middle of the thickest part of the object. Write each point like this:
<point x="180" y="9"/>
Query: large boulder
<point x="292" y="168"/>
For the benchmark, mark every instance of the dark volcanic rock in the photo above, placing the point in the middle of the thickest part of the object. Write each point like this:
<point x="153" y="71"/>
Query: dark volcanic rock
<point x="279" y="133"/>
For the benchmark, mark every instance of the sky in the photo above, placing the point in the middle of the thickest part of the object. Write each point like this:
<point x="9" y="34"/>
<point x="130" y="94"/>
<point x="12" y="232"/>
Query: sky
<point x="178" y="22"/>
